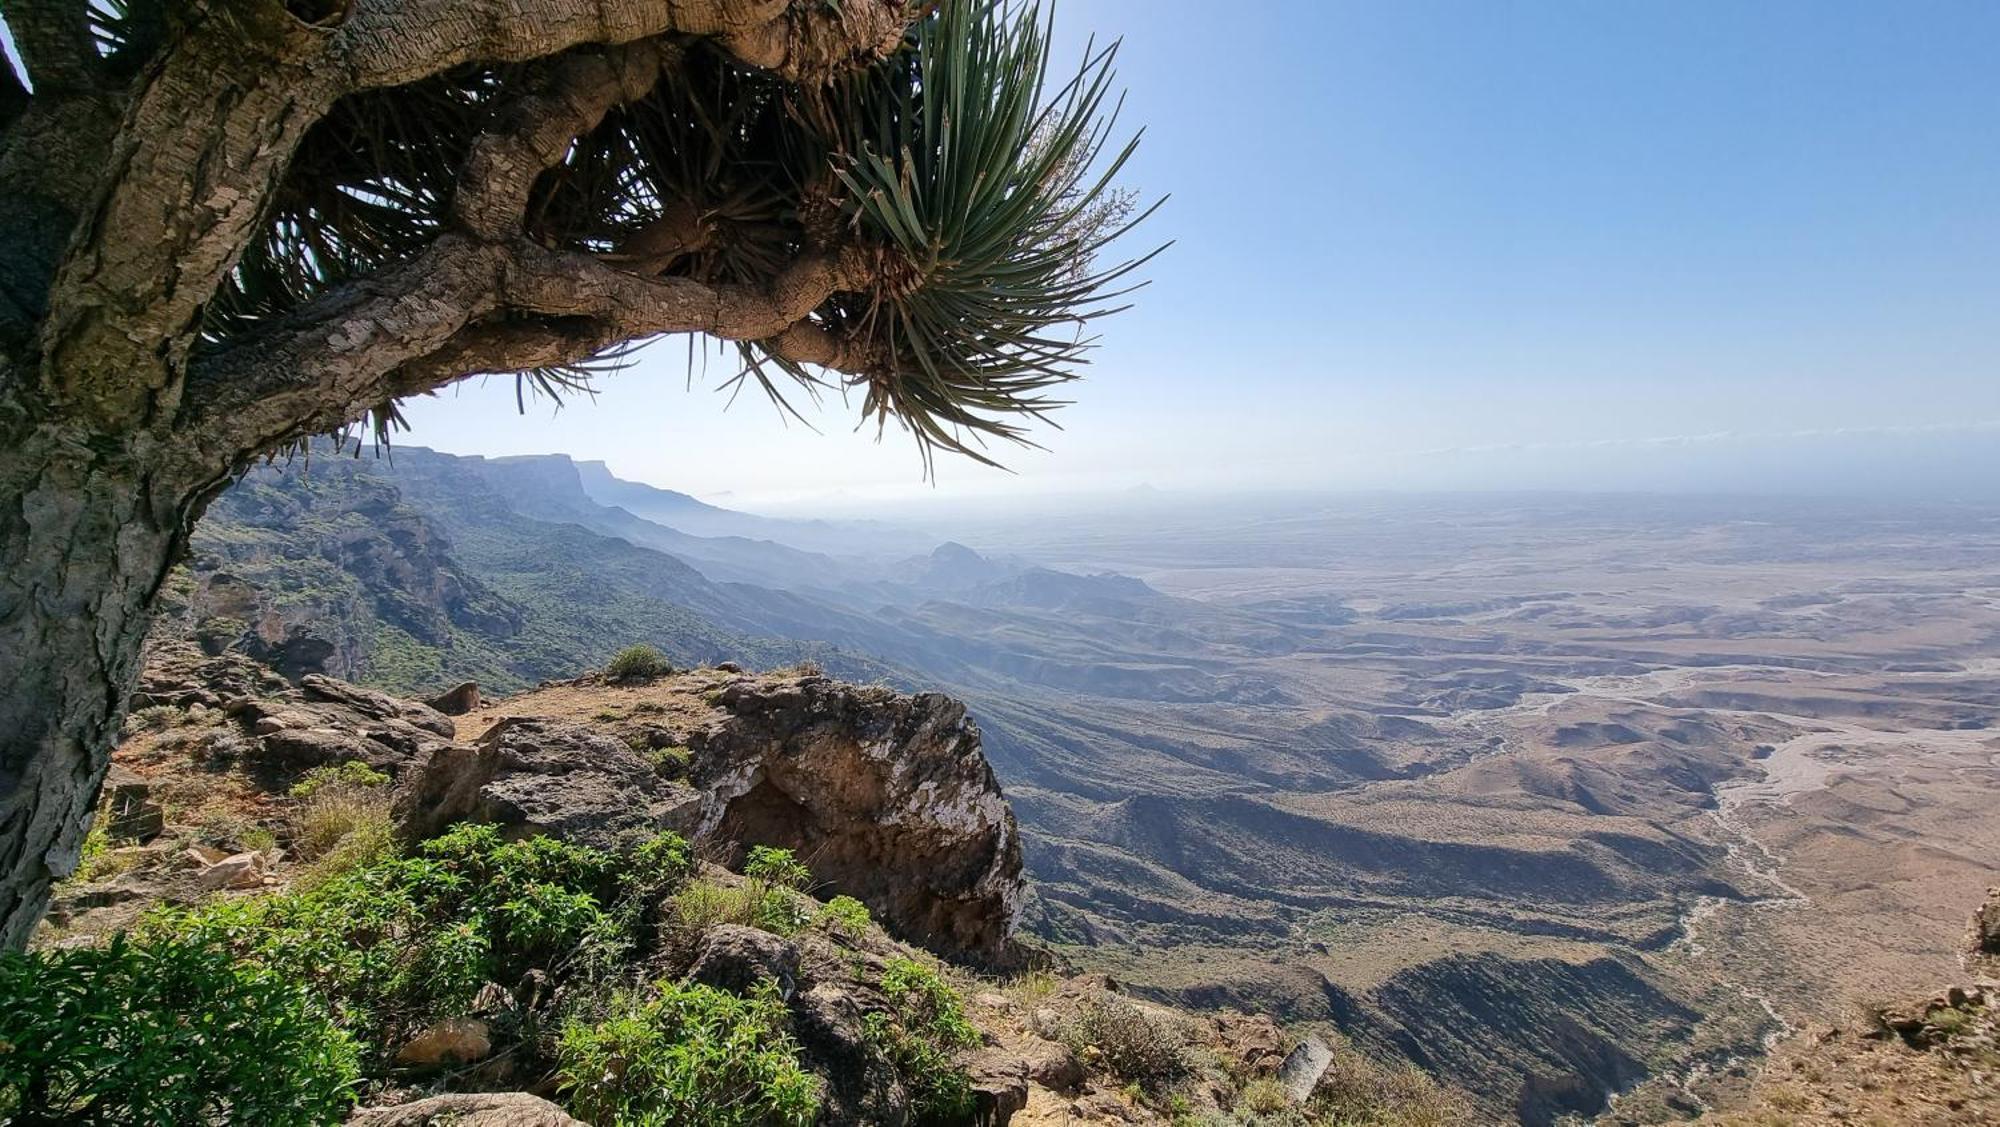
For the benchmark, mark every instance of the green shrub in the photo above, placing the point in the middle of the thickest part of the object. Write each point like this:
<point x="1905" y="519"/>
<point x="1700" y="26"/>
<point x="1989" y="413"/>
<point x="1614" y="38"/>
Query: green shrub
<point x="671" y="761"/>
<point x="690" y="1055"/>
<point x="638" y="663"/>
<point x="922" y="1038"/>
<point x="843" y="915"/>
<point x="395" y="943"/>
<point x="164" y="1033"/>
<point x="349" y="773"/>
<point x="779" y="867"/>
<point x="1355" y="1089"/>
<point x="664" y="860"/>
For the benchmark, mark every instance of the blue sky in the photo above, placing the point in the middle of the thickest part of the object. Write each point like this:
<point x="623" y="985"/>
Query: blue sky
<point x="1453" y="244"/>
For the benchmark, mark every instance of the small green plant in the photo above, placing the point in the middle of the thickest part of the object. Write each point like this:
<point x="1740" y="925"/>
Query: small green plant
<point x="638" y="663"/>
<point x="664" y="860"/>
<point x="98" y="860"/>
<point x="843" y="915"/>
<point x="777" y="867"/>
<point x="348" y="773"/>
<point x="672" y="761"/>
<point x="921" y="1039"/>
<point x="164" y="1032"/>
<point x="689" y="1054"/>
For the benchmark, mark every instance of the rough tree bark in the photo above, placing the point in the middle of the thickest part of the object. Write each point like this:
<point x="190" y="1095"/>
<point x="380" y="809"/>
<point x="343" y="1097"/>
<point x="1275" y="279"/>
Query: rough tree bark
<point x="128" y="191"/>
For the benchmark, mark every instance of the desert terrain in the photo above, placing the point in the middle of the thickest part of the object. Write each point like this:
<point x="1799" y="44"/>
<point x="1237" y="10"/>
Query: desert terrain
<point x="1581" y="803"/>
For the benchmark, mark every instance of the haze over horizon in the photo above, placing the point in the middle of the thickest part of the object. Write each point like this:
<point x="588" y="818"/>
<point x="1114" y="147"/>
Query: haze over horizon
<point x="1705" y="246"/>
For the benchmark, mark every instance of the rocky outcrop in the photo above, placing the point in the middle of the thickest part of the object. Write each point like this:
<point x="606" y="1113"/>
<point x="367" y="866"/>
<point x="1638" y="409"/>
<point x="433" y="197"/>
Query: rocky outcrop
<point x="290" y="728"/>
<point x="888" y="796"/>
<point x="484" y="1109"/>
<point x="1986" y="926"/>
<point x="533" y="776"/>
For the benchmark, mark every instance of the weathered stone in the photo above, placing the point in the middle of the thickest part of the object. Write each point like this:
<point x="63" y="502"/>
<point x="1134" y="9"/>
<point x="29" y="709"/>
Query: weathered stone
<point x="1303" y="1067"/>
<point x="241" y="870"/>
<point x="457" y="701"/>
<point x="543" y="776"/>
<point x="455" y="1040"/>
<point x="1052" y="1065"/>
<point x="484" y="1109"/>
<point x="130" y="814"/>
<point x="737" y="958"/>
<point x="378" y="706"/>
<point x="888" y="794"/>
<point x="202" y="856"/>
<point x="1986" y="925"/>
<point x="999" y="1085"/>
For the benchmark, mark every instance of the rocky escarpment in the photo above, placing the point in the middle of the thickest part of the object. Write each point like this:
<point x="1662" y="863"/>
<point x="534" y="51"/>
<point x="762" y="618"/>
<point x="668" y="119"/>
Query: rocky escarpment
<point x="881" y="796"/>
<point x="887" y="796"/>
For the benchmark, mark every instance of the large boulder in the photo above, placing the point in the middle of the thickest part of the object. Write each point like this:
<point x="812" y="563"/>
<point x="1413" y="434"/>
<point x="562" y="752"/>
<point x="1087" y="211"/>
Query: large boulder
<point x="887" y="796"/>
<point x="532" y="776"/>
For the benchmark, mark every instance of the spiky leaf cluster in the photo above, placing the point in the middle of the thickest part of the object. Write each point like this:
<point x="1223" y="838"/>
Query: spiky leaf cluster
<point x="978" y="189"/>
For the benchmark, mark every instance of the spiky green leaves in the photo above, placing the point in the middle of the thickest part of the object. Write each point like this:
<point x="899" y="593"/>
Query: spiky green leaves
<point x="997" y="204"/>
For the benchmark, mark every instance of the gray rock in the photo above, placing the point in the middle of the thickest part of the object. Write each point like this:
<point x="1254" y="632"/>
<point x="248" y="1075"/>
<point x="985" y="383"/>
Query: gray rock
<point x="458" y="701"/>
<point x="1303" y="1067"/>
<point x="1986" y="925"/>
<point x="737" y="958"/>
<point x="484" y="1109"/>
<point x="130" y="814"/>
<point x="534" y="776"/>
<point x="377" y="706"/>
<point x="888" y="794"/>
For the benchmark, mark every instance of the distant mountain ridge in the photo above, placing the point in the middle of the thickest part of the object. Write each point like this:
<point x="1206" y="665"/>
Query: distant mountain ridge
<point x="1191" y="775"/>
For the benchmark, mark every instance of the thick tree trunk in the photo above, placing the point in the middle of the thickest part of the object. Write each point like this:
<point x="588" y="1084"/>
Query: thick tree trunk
<point x="89" y="525"/>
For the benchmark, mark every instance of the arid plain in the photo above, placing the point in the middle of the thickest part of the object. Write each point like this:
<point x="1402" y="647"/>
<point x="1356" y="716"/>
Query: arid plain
<point x="1567" y="796"/>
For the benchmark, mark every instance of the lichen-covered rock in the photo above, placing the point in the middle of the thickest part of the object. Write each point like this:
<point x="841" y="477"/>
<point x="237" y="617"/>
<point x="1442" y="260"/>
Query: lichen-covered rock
<point x="736" y="959"/>
<point x="532" y="776"/>
<point x="888" y="795"/>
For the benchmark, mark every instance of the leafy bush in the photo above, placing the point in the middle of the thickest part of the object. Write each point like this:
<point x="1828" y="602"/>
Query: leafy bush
<point x="690" y="1055"/>
<point x="843" y="915"/>
<point x="638" y="663"/>
<point x="348" y="773"/>
<point x="398" y="942"/>
<point x="164" y="1033"/>
<point x="1128" y="1042"/>
<point x="779" y="867"/>
<point x="664" y="860"/>
<point x="921" y="1039"/>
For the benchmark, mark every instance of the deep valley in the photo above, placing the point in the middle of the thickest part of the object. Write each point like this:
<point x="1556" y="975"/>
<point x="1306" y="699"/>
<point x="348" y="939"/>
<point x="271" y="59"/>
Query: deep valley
<point x="1577" y="802"/>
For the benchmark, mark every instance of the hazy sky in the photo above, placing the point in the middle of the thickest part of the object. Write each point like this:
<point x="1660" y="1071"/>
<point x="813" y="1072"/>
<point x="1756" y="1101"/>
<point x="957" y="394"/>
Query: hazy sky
<point x="1452" y="244"/>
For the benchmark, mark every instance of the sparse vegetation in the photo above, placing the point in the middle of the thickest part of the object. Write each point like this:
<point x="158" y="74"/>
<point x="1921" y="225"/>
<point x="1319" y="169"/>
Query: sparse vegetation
<point x="843" y="915"/>
<point x="349" y="773"/>
<point x="1121" y="1038"/>
<point x="637" y="663"/>
<point x="928" y="1027"/>
<point x="164" y="1032"/>
<point x="687" y="1054"/>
